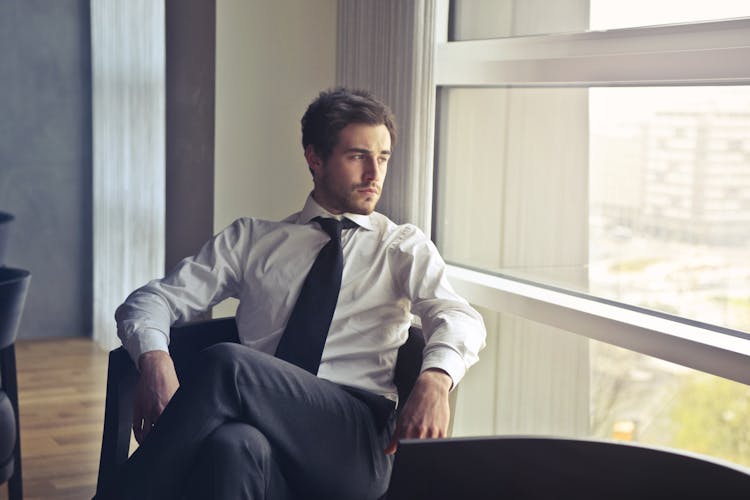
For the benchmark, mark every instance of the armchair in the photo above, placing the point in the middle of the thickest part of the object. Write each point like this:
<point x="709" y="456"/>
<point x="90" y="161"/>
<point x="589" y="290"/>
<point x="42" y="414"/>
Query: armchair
<point x="14" y="284"/>
<point x="185" y="342"/>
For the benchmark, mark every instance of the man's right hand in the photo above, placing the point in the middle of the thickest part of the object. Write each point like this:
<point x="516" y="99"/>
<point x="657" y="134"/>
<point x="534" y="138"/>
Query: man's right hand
<point x="156" y="386"/>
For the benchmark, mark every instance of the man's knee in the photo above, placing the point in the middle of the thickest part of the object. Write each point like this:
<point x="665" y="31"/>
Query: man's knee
<point x="235" y="461"/>
<point x="224" y="351"/>
<point x="236" y="442"/>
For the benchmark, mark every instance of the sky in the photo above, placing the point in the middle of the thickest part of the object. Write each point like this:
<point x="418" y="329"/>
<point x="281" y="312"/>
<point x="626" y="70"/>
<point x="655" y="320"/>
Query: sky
<point x="611" y="14"/>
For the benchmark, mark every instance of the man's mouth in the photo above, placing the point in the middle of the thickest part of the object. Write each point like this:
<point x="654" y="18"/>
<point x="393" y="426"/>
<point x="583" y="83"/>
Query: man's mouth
<point x="368" y="190"/>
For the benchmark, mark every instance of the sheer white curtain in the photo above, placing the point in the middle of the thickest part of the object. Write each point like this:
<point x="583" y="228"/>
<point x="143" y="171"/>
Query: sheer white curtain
<point x="388" y="47"/>
<point x="515" y="184"/>
<point x="128" y="71"/>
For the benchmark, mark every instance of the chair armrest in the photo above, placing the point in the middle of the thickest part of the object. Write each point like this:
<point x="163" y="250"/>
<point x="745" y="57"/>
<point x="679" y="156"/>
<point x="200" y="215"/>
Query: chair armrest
<point x="118" y="414"/>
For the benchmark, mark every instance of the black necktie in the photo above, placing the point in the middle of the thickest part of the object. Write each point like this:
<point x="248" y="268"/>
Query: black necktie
<point x="305" y="334"/>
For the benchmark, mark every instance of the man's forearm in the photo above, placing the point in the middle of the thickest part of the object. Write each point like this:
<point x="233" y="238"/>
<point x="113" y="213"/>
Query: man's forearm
<point x="438" y="377"/>
<point x="151" y="359"/>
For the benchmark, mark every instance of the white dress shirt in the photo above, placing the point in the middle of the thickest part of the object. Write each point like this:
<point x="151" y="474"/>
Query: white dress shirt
<point x="390" y="271"/>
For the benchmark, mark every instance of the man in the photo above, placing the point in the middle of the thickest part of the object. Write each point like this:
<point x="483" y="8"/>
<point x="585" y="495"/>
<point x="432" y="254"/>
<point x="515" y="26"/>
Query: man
<point x="284" y="415"/>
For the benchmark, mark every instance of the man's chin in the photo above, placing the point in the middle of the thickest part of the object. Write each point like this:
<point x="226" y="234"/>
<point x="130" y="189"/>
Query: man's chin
<point x="362" y="208"/>
<point x="361" y="211"/>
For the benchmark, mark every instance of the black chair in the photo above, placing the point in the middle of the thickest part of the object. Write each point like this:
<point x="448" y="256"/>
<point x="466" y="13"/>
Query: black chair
<point x="5" y="223"/>
<point x="14" y="284"/>
<point x="185" y="342"/>
<point x="544" y="468"/>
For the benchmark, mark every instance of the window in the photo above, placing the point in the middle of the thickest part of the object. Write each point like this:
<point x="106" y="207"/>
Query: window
<point x="646" y="169"/>
<point x="597" y="185"/>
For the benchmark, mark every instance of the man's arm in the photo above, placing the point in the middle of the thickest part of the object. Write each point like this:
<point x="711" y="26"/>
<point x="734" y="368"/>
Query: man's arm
<point x="426" y="413"/>
<point x="155" y="388"/>
<point x="144" y="319"/>
<point x="191" y="288"/>
<point x="453" y="330"/>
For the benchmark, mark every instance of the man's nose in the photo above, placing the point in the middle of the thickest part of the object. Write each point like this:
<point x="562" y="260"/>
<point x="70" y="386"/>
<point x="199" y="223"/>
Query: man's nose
<point x="371" y="169"/>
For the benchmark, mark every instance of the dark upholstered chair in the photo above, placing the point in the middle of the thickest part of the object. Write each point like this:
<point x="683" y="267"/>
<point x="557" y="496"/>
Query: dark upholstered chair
<point x="5" y="224"/>
<point x="543" y="468"/>
<point x="14" y="284"/>
<point x="185" y="342"/>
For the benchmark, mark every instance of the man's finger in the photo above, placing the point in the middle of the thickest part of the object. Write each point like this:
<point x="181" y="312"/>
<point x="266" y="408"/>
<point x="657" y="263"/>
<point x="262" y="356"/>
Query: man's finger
<point x="138" y="431"/>
<point x="392" y="446"/>
<point x="147" y="425"/>
<point x="398" y="433"/>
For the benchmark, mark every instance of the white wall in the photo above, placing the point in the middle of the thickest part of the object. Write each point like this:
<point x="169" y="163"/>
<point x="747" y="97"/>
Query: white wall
<point x="272" y="59"/>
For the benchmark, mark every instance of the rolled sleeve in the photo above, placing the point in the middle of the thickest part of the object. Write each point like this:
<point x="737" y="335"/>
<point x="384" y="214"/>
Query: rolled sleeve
<point x="446" y="360"/>
<point x="146" y="340"/>
<point x="454" y="331"/>
<point x="194" y="286"/>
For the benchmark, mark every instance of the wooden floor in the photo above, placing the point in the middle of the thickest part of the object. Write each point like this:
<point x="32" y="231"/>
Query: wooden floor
<point x="62" y="385"/>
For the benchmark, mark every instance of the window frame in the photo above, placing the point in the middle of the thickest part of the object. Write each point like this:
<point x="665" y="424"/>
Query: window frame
<point x="701" y="53"/>
<point x="705" y="53"/>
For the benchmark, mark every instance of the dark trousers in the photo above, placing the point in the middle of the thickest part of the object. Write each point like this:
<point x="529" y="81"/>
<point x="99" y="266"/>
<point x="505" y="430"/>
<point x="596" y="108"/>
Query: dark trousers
<point x="246" y="425"/>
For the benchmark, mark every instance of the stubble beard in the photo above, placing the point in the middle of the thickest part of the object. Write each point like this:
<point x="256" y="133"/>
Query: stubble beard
<point x="367" y="204"/>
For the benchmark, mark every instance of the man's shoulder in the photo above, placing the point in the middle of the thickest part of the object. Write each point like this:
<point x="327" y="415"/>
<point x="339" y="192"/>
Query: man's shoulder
<point x="290" y="219"/>
<point x="256" y="226"/>
<point x="396" y="232"/>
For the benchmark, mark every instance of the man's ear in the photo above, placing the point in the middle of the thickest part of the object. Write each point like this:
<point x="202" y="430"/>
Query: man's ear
<point x="313" y="160"/>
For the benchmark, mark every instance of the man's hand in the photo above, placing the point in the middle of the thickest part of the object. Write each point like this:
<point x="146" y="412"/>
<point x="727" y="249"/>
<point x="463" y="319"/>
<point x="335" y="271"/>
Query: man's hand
<point x="156" y="386"/>
<point x="426" y="413"/>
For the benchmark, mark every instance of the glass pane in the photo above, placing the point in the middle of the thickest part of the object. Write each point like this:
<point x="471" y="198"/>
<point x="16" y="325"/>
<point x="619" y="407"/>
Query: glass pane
<point x="536" y="380"/>
<point x="481" y="19"/>
<point x="636" y="195"/>
<point x="670" y="200"/>
<point x="644" y="399"/>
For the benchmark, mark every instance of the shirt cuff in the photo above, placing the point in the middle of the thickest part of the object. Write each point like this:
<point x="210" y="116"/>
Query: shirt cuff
<point x="148" y="339"/>
<point x="447" y="360"/>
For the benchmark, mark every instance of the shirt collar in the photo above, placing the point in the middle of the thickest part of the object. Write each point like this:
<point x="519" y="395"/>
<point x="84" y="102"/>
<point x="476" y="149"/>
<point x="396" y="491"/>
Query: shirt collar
<point x="312" y="209"/>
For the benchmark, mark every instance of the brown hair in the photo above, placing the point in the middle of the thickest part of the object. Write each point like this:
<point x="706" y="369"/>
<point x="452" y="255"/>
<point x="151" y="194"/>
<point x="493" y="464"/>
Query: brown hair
<point x="334" y="109"/>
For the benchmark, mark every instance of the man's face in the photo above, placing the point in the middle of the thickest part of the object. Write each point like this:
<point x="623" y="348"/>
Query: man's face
<point x="352" y="177"/>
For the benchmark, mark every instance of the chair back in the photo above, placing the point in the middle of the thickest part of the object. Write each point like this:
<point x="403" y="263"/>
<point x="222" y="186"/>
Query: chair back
<point x="5" y="223"/>
<point x="186" y="341"/>
<point x="14" y="284"/>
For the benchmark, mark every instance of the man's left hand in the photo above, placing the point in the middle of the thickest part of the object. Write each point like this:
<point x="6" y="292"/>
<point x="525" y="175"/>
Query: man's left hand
<point x="426" y="413"/>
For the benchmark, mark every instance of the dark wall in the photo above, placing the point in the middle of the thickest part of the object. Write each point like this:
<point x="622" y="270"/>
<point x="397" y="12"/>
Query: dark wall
<point x="45" y="159"/>
<point x="190" y="81"/>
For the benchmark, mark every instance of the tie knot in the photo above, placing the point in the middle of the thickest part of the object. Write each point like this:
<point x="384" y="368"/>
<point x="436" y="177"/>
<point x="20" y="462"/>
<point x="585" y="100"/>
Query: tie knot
<point x="330" y="226"/>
